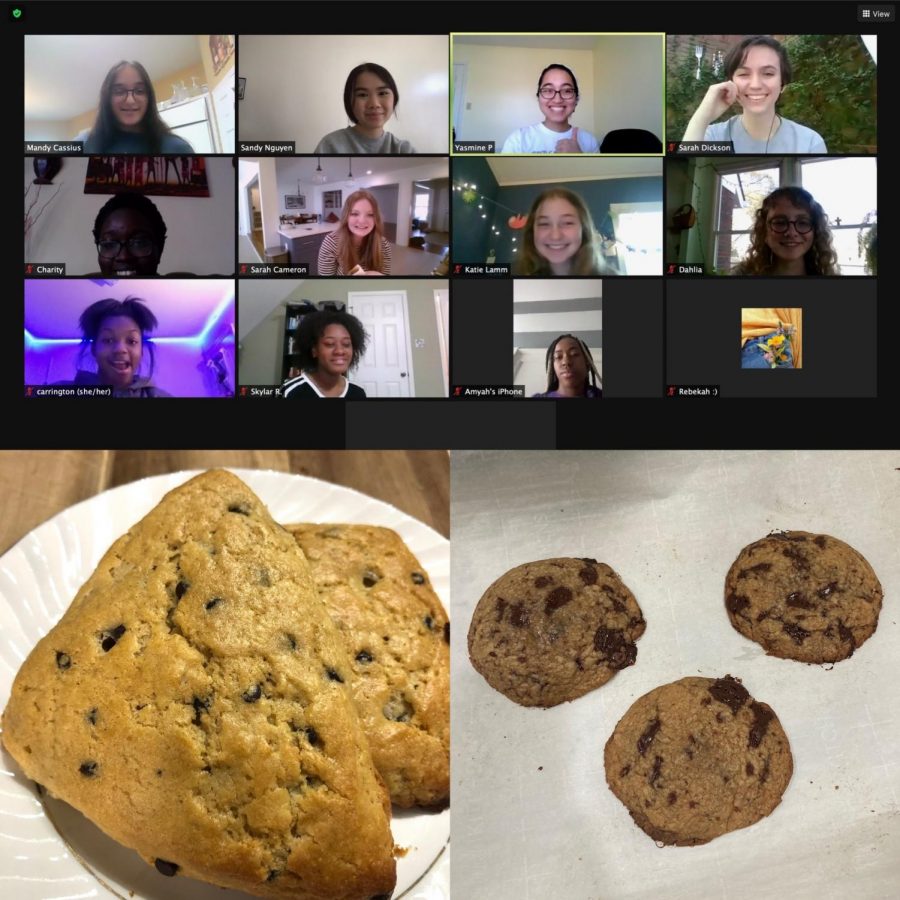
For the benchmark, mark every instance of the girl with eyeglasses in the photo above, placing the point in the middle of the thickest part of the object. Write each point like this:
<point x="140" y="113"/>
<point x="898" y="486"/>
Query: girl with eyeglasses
<point x="557" y="94"/>
<point x="790" y="236"/>
<point x="127" y="118"/>
<point x="130" y="235"/>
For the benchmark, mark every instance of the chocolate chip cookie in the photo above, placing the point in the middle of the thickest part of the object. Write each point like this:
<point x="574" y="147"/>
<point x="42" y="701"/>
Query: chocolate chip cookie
<point x="549" y="631"/>
<point x="698" y="758"/>
<point x="803" y="596"/>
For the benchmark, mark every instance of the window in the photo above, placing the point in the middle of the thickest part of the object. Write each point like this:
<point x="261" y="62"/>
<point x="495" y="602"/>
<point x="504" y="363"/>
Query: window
<point x="638" y="227"/>
<point x="740" y="194"/>
<point x="846" y="189"/>
<point x="420" y="209"/>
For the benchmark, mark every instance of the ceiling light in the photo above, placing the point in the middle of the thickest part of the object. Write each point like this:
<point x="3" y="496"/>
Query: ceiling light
<point x="319" y="177"/>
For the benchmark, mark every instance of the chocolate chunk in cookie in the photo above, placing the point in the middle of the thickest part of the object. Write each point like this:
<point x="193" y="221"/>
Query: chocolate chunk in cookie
<point x="547" y="632"/>
<point x="803" y="596"/>
<point x="688" y="770"/>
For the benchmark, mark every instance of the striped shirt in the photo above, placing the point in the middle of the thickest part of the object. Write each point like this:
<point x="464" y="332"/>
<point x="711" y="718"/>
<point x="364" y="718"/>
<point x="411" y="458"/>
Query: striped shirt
<point x="329" y="264"/>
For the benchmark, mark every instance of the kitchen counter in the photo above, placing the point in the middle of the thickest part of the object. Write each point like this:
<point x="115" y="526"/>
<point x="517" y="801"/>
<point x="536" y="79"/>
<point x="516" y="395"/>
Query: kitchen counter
<point x="296" y="231"/>
<point x="303" y="241"/>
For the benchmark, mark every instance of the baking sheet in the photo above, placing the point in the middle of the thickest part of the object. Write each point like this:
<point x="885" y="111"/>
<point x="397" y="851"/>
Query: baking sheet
<point x="533" y="815"/>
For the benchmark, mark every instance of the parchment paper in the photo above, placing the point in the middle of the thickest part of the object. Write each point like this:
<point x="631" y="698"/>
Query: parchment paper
<point x="533" y="816"/>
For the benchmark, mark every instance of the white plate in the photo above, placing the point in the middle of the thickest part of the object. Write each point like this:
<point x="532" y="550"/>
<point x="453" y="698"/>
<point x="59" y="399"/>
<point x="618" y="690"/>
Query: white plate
<point x="48" y="850"/>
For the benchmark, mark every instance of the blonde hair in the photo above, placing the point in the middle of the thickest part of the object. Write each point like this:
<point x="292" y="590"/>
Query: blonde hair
<point x="587" y="261"/>
<point x="369" y="254"/>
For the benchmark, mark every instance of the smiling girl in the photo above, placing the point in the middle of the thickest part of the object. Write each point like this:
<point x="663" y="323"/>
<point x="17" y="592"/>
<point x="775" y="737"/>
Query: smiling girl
<point x="559" y="238"/>
<point x="557" y="94"/>
<point x="127" y="118"/>
<point x="370" y="99"/>
<point x="790" y="236"/>
<point x="358" y="246"/>
<point x="329" y="344"/>
<point x="758" y="71"/>
<point x="116" y="334"/>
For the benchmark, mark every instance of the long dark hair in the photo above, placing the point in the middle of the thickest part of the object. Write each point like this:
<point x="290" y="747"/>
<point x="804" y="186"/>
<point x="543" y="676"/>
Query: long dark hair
<point x="91" y="321"/>
<point x="106" y="127"/>
<point x="593" y="375"/>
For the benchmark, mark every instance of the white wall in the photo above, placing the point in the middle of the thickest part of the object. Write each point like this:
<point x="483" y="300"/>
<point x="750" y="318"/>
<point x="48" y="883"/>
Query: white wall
<point x="200" y="230"/>
<point x="295" y="85"/>
<point x="247" y="171"/>
<point x="269" y="201"/>
<point x="501" y="87"/>
<point x="628" y="83"/>
<point x="41" y="130"/>
<point x="620" y="81"/>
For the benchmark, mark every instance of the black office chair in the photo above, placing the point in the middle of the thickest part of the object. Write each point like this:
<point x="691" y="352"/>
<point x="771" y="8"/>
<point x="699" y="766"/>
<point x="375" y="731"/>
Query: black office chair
<point x="631" y="140"/>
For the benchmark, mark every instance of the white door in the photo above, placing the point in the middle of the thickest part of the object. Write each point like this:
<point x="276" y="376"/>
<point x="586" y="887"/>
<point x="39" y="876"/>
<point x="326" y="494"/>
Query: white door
<point x="442" y="313"/>
<point x="386" y="369"/>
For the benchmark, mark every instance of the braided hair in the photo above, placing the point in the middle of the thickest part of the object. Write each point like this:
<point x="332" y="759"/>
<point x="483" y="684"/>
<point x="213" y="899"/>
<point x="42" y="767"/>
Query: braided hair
<point x="593" y="372"/>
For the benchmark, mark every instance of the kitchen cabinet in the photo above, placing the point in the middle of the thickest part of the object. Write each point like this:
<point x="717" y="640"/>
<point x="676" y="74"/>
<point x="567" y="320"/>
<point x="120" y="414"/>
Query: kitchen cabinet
<point x="304" y="249"/>
<point x="332" y="200"/>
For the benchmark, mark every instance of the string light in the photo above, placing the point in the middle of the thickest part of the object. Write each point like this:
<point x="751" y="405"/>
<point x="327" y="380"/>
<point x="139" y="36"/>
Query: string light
<point x="609" y="244"/>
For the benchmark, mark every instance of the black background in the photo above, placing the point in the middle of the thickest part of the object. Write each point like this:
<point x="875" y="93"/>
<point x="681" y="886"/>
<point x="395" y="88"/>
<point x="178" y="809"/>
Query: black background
<point x="656" y="422"/>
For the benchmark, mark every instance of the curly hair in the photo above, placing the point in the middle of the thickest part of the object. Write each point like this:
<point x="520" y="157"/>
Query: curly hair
<point x="350" y="86"/>
<point x="593" y="372"/>
<point x="91" y="321"/>
<point x="369" y="254"/>
<point x="140" y="204"/>
<point x="106" y="126"/>
<point x="312" y="327"/>
<point x="587" y="261"/>
<point x="820" y="259"/>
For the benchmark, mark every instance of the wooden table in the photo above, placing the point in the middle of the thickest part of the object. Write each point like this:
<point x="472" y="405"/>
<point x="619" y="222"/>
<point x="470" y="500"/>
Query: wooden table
<point x="37" y="484"/>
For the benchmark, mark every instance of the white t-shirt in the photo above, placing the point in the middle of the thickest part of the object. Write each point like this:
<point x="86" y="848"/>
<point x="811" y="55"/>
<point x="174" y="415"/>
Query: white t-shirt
<point x="540" y="139"/>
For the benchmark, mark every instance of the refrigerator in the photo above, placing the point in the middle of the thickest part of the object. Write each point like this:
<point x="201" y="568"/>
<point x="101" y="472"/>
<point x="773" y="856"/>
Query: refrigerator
<point x="192" y="120"/>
